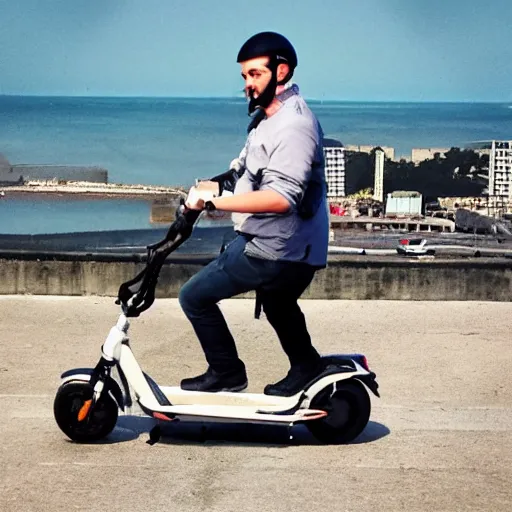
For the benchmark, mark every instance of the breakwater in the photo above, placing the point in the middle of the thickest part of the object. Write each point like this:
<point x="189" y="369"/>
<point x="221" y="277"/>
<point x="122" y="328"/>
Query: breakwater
<point x="86" y="188"/>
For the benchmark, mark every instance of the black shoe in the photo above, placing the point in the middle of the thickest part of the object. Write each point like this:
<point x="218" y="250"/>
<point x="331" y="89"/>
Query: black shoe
<point x="213" y="381"/>
<point x="295" y="381"/>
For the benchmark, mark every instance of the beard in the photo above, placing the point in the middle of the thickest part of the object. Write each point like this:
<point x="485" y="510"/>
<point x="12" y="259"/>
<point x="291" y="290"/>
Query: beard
<point x="266" y="97"/>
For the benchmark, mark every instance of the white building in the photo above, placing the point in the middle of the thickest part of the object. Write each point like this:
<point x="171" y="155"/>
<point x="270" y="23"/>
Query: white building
<point x="378" y="186"/>
<point x="334" y="153"/>
<point x="500" y="169"/>
<point x="403" y="203"/>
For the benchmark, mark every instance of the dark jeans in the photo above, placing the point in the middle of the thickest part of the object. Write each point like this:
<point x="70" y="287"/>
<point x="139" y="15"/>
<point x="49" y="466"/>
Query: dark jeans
<point x="279" y="285"/>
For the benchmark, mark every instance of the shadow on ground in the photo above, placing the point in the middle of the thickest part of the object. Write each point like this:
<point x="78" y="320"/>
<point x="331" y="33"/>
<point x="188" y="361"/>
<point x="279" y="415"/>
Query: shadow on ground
<point x="129" y="428"/>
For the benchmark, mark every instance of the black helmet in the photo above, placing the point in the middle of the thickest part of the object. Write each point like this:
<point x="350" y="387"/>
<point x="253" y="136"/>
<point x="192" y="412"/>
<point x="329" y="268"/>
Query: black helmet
<point x="269" y="44"/>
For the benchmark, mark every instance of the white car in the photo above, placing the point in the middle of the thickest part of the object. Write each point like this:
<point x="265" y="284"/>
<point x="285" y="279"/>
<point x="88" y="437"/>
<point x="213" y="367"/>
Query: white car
<point x="414" y="247"/>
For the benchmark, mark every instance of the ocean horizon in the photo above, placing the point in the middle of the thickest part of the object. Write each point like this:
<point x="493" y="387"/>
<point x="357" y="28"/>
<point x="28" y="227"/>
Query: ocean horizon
<point x="171" y="141"/>
<point x="242" y="98"/>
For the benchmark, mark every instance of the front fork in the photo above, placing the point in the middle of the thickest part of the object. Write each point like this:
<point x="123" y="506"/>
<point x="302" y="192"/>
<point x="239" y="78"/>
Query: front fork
<point x="100" y="376"/>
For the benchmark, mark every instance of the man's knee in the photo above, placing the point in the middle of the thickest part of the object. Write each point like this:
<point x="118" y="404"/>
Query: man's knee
<point x="196" y="296"/>
<point x="188" y="299"/>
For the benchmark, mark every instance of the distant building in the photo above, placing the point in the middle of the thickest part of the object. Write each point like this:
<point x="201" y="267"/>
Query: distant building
<point x="5" y="166"/>
<point x="420" y="154"/>
<point x="7" y="175"/>
<point x="404" y="203"/>
<point x="388" y="151"/>
<point x="34" y="172"/>
<point x="378" y="187"/>
<point x="19" y="173"/>
<point x="334" y="153"/>
<point x="500" y="166"/>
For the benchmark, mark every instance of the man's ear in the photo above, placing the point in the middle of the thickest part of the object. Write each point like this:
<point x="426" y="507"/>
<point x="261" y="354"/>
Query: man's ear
<point x="282" y="70"/>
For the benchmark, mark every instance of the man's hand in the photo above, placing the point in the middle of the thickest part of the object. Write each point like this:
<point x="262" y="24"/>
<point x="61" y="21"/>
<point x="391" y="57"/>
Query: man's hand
<point x="236" y="165"/>
<point x="200" y="193"/>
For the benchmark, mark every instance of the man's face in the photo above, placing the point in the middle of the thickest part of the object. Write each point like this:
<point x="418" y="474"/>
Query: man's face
<point x="256" y="76"/>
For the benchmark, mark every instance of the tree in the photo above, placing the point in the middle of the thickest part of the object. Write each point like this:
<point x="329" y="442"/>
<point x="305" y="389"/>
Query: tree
<point x="359" y="171"/>
<point x="458" y="173"/>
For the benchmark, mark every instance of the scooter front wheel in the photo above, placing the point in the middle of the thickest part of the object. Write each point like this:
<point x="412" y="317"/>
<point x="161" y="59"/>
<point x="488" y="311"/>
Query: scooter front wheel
<point x="79" y="424"/>
<point x="348" y="409"/>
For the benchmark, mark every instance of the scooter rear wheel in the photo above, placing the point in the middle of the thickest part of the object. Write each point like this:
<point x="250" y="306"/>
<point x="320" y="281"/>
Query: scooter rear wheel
<point x="348" y="412"/>
<point x="99" y="422"/>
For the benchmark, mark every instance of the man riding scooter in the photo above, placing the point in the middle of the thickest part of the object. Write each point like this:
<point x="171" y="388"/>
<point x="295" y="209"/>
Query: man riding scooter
<point x="281" y="219"/>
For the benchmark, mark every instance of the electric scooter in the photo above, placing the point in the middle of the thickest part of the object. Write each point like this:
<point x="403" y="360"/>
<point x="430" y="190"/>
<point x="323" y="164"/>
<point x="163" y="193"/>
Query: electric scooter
<point x="335" y="406"/>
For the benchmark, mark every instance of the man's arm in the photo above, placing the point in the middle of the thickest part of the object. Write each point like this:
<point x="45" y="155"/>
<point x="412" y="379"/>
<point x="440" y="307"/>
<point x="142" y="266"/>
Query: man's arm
<point x="290" y="167"/>
<point x="259" y="201"/>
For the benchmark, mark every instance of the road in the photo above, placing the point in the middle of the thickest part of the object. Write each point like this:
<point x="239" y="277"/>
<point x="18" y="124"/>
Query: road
<point x="440" y="438"/>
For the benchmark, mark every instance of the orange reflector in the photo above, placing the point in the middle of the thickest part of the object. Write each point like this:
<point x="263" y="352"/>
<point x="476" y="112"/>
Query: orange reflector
<point x="314" y="414"/>
<point x="160" y="416"/>
<point x="84" y="410"/>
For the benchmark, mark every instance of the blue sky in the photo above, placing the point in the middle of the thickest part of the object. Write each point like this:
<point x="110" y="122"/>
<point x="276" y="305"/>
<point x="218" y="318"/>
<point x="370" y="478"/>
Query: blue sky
<point x="362" y="50"/>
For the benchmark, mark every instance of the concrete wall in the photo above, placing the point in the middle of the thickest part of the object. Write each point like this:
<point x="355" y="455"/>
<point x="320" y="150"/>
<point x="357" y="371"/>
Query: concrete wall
<point x="347" y="277"/>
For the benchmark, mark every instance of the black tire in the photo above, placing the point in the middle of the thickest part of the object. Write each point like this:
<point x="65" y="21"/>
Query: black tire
<point x="348" y="413"/>
<point x="101" y="420"/>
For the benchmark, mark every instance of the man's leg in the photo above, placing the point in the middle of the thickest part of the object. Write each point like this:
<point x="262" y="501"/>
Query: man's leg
<point x="230" y="274"/>
<point x="279" y="302"/>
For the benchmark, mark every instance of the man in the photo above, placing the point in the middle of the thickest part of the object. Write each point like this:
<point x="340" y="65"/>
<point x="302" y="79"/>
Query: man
<point x="280" y="214"/>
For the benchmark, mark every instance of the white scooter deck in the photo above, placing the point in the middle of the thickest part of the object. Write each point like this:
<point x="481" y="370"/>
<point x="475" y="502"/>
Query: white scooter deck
<point x="232" y="407"/>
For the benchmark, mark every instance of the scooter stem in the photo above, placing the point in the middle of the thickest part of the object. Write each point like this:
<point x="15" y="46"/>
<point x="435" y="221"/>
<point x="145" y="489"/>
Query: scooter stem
<point x="112" y="347"/>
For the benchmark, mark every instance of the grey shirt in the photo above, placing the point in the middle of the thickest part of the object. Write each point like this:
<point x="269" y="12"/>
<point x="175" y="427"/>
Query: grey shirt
<point x="285" y="153"/>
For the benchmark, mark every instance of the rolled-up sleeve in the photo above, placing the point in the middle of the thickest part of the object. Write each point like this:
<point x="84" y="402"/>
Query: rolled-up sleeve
<point x="290" y="164"/>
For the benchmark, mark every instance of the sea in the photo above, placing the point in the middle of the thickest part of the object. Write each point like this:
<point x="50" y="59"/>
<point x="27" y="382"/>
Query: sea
<point x="173" y="141"/>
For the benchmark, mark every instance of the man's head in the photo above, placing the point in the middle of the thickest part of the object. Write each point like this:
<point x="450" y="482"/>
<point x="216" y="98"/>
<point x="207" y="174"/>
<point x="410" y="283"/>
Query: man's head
<point x="268" y="59"/>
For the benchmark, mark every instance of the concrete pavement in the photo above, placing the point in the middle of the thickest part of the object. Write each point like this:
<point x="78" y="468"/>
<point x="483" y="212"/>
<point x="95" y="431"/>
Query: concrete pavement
<point x="440" y="438"/>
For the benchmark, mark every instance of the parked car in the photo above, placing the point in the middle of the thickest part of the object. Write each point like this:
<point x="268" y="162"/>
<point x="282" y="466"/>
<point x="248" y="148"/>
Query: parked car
<point x="414" y="247"/>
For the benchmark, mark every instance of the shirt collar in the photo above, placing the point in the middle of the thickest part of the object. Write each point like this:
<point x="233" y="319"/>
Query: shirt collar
<point x="290" y="91"/>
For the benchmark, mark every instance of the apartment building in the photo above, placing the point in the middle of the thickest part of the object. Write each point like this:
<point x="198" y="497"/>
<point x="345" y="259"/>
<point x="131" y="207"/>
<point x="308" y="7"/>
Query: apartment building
<point x="500" y="168"/>
<point x="334" y="154"/>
